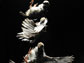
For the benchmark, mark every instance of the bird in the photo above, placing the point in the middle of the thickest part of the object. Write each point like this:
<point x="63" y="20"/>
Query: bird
<point x="38" y="55"/>
<point x="36" y="11"/>
<point x="31" y="30"/>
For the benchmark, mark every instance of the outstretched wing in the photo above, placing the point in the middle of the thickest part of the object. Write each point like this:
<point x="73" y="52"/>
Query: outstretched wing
<point x="27" y="30"/>
<point x="66" y="59"/>
<point x="30" y="29"/>
<point x="47" y="59"/>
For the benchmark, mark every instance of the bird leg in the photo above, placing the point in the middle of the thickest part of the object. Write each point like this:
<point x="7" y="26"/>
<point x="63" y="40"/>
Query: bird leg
<point x="26" y="57"/>
<point x="35" y="5"/>
<point x="29" y="52"/>
<point x="31" y="3"/>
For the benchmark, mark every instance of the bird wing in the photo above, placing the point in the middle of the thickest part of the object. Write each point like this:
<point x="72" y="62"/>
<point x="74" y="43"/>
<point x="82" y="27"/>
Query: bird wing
<point x="27" y="30"/>
<point x="66" y="59"/>
<point x="30" y="29"/>
<point x="47" y="59"/>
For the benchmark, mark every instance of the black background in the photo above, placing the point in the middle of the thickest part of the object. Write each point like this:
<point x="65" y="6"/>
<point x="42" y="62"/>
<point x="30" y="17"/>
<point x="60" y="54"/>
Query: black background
<point x="64" y="34"/>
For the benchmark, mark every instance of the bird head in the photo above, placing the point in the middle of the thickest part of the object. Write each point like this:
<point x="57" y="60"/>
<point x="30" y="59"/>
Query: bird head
<point x="45" y="2"/>
<point x="40" y="44"/>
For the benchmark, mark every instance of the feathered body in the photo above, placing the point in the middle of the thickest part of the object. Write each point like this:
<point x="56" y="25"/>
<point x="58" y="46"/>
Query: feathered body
<point x="35" y="11"/>
<point x="38" y="55"/>
<point x="31" y="30"/>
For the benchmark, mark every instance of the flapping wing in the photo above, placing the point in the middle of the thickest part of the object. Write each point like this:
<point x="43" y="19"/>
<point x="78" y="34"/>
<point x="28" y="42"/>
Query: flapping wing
<point x="48" y="59"/>
<point x="30" y="29"/>
<point x="67" y="59"/>
<point x="27" y="30"/>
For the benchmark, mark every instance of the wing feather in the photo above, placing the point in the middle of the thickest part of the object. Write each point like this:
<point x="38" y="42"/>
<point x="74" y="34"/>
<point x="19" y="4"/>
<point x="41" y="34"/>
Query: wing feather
<point x="30" y="29"/>
<point x="27" y="30"/>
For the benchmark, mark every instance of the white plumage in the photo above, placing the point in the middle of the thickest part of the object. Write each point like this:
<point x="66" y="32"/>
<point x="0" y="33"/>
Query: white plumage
<point x="31" y="29"/>
<point x="31" y="56"/>
<point x="35" y="11"/>
<point x="38" y="55"/>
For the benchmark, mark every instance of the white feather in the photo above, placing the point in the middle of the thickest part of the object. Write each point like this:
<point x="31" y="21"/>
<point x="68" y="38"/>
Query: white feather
<point x="31" y="29"/>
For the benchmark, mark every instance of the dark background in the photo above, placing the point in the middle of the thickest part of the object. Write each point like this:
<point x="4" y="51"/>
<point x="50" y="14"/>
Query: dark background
<point x="64" y="34"/>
